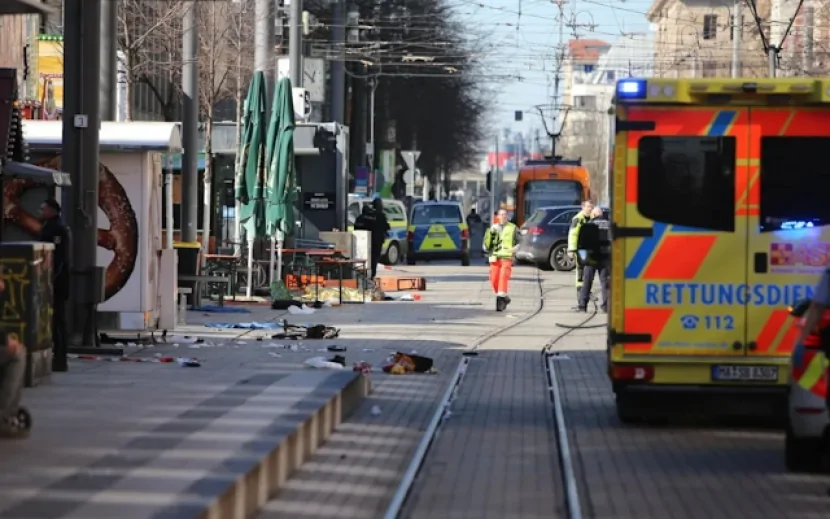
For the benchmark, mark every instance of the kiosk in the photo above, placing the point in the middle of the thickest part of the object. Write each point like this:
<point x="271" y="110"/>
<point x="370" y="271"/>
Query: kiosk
<point x="140" y="275"/>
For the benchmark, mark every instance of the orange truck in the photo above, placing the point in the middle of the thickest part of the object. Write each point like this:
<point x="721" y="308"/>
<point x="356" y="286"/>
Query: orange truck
<point x="550" y="182"/>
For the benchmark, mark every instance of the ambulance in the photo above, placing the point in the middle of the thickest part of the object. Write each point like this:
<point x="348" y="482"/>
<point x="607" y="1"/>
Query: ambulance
<point x="720" y="206"/>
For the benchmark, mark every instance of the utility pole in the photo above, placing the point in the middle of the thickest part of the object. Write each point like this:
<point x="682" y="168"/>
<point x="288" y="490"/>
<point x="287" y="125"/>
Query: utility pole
<point x="295" y="43"/>
<point x="338" y="66"/>
<point x="190" y="124"/>
<point x="80" y="158"/>
<point x="560" y="59"/>
<point x="809" y="17"/>
<point x="737" y="36"/>
<point x="109" y="21"/>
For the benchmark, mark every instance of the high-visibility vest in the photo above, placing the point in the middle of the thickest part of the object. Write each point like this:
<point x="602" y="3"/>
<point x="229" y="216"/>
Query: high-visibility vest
<point x="500" y="245"/>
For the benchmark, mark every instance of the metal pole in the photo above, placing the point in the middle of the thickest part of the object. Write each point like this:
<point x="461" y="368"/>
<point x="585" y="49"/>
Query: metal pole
<point x="80" y="157"/>
<point x="371" y="145"/>
<point x="338" y="66"/>
<point x="109" y="11"/>
<point x="737" y="37"/>
<point x="295" y="43"/>
<point x="694" y="63"/>
<point x="494" y="175"/>
<point x="190" y="124"/>
<point x="263" y="38"/>
<point x="772" y="54"/>
<point x="809" y="17"/>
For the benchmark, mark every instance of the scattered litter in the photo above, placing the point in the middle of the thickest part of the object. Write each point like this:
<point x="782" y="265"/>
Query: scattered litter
<point x="273" y="345"/>
<point x="292" y="347"/>
<point x="510" y="316"/>
<point x="375" y="410"/>
<point x="188" y="362"/>
<point x="368" y="349"/>
<point x="242" y="343"/>
<point x="186" y="339"/>
<point x="274" y="354"/>
<point x="339" y="359"/>
<point x="246" y="326"/>
<point x="303" y="310"/>
<point x="335" y="347"/>
<point x="404" y="297"/>
<point x="221" y="309"/>
<point x="400" y="364"/>
<point x="362" y="367"/>
<point x="322" y="363"/>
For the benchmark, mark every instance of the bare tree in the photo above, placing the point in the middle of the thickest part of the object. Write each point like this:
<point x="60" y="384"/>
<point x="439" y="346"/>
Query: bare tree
<point x="150" y="41"/>
<point x="222" y="46"/>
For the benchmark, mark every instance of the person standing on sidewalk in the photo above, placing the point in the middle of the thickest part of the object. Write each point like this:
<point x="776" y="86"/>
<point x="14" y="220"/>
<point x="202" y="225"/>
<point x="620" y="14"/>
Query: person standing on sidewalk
<point x="501" y="241"/>
<point x="12" y="373"/>
<point x="577" y="222"/>
<point x="55" y="232"/>
<point x="597" y="261"/>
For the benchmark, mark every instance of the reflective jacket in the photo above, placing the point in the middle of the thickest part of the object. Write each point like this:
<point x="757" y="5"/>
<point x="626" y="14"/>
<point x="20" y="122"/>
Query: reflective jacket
<point x="499" y="240"/>
<point x="573" y="233"/>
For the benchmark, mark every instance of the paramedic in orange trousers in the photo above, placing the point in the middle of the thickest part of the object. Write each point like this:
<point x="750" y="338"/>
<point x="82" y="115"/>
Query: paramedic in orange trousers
<point x="501" y="241"/>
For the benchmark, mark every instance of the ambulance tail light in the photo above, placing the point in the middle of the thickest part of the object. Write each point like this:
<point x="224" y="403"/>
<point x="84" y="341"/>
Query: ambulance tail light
<point x="465" y="234"/>
<point x="632" y="372"/>
<point x="410" y="236"/>
<point x="536" y="231"/>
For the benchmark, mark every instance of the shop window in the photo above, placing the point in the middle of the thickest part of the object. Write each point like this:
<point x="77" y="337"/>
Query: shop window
<point x="795" y="183"/>
<point x="688" y="181"/>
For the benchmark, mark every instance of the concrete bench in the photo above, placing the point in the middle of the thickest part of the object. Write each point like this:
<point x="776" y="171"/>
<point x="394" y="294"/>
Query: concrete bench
<point x="198" y="281"/>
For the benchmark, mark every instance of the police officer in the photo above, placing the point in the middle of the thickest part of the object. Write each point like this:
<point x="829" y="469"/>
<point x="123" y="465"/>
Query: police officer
<point x="597" y="261"/>
<point x="54" y="231"/>
<point x="501" y="241"/>
<point x="577" y="222"/>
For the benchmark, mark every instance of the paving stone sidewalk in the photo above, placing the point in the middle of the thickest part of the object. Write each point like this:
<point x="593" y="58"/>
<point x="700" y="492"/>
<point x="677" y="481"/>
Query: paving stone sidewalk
<point x="356" y="473"/>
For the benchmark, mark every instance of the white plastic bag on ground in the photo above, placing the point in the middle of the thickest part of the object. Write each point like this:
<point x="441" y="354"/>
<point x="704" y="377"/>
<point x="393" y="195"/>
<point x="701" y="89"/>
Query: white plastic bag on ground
<point x="322" y="363"/>
<point x="303" y="310"/>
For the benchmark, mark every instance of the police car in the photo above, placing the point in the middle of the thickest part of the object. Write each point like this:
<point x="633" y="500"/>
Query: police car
<point x="437" y="230"/>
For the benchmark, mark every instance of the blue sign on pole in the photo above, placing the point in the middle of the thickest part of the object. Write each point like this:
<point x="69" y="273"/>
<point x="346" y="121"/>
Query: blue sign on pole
<point x="361" y="180"/>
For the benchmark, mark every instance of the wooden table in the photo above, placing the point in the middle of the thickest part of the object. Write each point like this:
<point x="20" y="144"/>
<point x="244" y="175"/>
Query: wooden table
<point x="340" y="263"/>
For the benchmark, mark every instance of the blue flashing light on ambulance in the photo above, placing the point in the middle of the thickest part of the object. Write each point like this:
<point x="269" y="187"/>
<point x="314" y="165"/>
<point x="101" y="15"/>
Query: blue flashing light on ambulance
<point x="719" y="222"/>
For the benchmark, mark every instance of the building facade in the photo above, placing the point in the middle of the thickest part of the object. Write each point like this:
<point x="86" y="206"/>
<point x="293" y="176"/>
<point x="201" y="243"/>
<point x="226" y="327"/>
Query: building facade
<point x="694" y="38"/>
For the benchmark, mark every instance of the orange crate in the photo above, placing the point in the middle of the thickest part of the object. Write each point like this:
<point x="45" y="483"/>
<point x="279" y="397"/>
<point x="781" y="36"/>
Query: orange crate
<point x="398" y="284"/>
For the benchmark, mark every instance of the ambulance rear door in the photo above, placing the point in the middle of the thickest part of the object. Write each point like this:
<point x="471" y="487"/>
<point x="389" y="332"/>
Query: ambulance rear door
<point x="679" y="250"/>
<point x="788" y="209"/>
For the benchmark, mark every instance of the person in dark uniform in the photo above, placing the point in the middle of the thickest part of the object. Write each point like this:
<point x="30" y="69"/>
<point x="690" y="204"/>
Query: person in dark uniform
<point x="54" y="231"/>
<point x="379" y="234"/>
<point x="597" y="261"/>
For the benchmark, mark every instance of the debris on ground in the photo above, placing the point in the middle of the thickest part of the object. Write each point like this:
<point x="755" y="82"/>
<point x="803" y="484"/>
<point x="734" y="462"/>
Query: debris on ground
<point x="322" y="363"/>
<point x="188" y="362"/>
<point x="362" y="367"/>
<point x="335" y="347"/>
<point x="302" y="310"/>
<point x="245" y="326"/>
<point x="186" y="339"/>
<point x="401" y="364"/>
<point x="375" y="410"/>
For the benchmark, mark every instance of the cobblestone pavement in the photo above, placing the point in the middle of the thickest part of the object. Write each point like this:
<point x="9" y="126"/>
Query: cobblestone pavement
<point x="495" y="457"/>
<point x="691" y="468"/>
<point x="356" y="473"/>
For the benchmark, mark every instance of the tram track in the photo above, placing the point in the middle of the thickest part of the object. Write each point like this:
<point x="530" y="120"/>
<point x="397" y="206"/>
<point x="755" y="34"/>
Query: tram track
<point x="565" y="460"/>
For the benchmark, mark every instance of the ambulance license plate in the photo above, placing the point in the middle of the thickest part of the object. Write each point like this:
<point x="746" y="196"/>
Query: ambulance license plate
<point x="741" y="373"/>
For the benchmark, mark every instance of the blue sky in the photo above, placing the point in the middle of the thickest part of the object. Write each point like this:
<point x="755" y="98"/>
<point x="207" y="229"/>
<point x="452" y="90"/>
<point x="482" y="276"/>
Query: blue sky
<point x="522" y="36"/>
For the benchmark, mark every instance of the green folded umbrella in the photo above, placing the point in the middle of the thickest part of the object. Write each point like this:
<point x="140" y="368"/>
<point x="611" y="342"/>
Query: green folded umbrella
<point x="250" y="165"/>
<point x="281" y="178"/>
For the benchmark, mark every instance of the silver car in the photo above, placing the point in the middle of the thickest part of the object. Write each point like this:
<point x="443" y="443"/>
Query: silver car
<point x="808" y="423"/>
